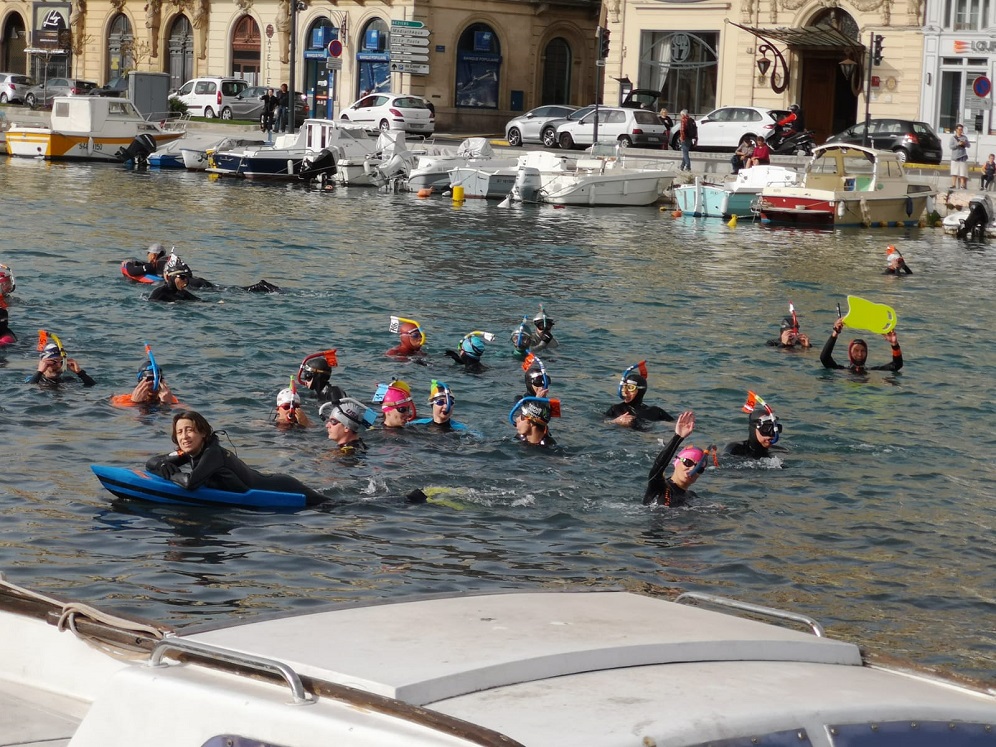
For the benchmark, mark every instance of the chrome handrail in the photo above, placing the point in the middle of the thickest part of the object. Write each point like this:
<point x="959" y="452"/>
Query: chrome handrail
<point x="217" y="653"/>
<point x="757" y="609"/>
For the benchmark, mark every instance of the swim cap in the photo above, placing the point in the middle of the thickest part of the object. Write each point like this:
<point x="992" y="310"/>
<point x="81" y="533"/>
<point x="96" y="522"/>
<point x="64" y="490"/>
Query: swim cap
<point x="542" y="321"/>
<point x="537" y="377"/>
<point x="146" y="372"/>
<point x="398" y="396"/>
<point x="51" y="351"/>
<point x="351" y="413"/>
<point x="6" y="280"/>
<point x="852" y="345"/>
<point x="538" y="412"/>
<point x="472" y="346"/>
<point x="176" y="268"/>
<point x="695" y="454"/>
<point x="288" y="397"/>
<point x="788" y="323"/>
<point x="406" y="329"/>
<point x="439" y="389"/>
<point x="157" y="250"/>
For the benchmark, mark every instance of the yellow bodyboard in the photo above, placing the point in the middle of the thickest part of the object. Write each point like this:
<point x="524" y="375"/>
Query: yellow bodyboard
<point x="867" y="315"/>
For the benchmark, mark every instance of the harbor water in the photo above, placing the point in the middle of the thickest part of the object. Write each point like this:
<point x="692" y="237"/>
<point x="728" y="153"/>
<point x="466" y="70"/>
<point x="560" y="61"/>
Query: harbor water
<point x="878" y="521"/>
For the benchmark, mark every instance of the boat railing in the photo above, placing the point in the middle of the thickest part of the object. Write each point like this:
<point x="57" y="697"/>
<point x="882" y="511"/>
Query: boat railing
<point x="170" y="121"/>
<point x="216" y="653"/>
<point x="712" y="600"/>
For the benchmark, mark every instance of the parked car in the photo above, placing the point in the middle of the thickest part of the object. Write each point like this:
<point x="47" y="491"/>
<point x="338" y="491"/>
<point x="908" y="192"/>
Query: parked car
<point x="392" y="111"/>
<point x="615" y="125"/>
<point x="528" y="127"/>
<point x="115" y="88"/>
<point x="211" y="97"/>
<point x="911" y="141"/>
<point x="43" y="93"/>
<point x="13" y="86"/>
<point x="729" y="126"/>
<point x="250" y="105"/>
<point x="642" y="98"/>
<point x="548" y="134"/>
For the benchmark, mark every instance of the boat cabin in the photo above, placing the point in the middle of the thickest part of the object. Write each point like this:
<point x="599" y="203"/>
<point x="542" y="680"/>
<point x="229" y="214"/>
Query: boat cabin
<point x="98" y="114"/>
<point x="852" y="168"/>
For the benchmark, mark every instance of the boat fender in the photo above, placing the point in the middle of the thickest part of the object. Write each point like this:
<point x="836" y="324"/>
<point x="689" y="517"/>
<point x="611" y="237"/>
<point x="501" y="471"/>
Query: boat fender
<point x="909" y="206"/>
<point x="841" y="209"/>
<point x="425" y="192"/>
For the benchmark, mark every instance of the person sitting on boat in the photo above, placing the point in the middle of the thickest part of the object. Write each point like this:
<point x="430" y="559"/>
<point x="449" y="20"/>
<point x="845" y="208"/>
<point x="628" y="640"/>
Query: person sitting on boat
<point x="200" y="460"/>
<point x="177" y="276"/>
<point x="688" y="465"/>
<point x="410" y="339"/>
<point x="857" y="353"/>
<point x="288" y="411"/>
<point x="762" y="153"/>
<point x="531" y="418"/>
<point x="789" y="336"/>
<point x="442" y="400"/>
<point x="315" y="374"/>
<point x="52" y="361"/>
<point x="7" y="336"/>
<point x="470" y="351"/>
<point x="741" y="157"/>
<point x="632" y="412"/>
<point x="343" y="422"/>
<point x="895" y="263"/>
<point x="542" y="336"/>
<point x="763" y="430"/>
<point x="151" y="389"/>
<point x="396" y="403"/>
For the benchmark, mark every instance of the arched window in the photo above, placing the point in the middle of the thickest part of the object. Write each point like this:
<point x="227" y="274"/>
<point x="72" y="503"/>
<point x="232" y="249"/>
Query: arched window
<point x="478" y="66"/>
<point x="120" y="47"/>
<point x="317" y="77"/>
<point x="12" y="44"/>
<point x="181" y="52"/>
<point x="682" y="65"/>
<point x="373" y="61"/>
<point x="557" y="72"/>
<point x="246" y="45"/>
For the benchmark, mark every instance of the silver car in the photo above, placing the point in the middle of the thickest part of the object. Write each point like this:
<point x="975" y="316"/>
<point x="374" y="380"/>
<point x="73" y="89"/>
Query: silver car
<point x="43" y="93"/>
<point x="13" y="87"/>
<point x="528" y="127"/>
<point x="548" y="133"/>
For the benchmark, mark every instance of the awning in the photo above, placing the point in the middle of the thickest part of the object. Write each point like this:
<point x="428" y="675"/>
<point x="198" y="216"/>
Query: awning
<point x="806" y="37"/>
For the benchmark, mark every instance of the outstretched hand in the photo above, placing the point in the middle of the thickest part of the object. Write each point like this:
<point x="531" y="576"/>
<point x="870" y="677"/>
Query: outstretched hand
<point x="685" y="424"/>
<point x="838" y="325"/>
<point x="891" y="337"/>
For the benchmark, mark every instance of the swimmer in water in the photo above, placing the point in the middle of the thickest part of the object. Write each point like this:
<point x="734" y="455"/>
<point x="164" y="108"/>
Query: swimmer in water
<point x="177" y="276"/>
<point x="53" y="360"/>
<point x="895" y="263"/>
<point x="442" y="400"/>
<point x="632" y="412"/>
<point x="315" y="374"/>
<point x="689" y="463"/>
<point x="542" y="337"/>
<point x="471" y="350"/>
<point x="150" y="390"/>
<point x="410" y="339"/>
<point x="857" y="353"/>
<point x="763" y="430"/>
<point x="531" y="418"/>
<point x="288" y="411"/>
<point x="344" y="420"/>
<point x="396" y="404"/>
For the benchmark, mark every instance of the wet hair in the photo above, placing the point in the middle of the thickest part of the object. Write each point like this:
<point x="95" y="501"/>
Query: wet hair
<point x="200" y="423"/>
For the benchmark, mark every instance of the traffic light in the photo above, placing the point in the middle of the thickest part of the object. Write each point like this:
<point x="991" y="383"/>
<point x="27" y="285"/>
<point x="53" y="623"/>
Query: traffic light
<point x="603" y="42"/>
<point x="877" y="40"/>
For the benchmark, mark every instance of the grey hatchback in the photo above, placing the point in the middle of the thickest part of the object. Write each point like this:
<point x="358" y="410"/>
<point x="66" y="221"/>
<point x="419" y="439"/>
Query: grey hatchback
<point x="13" y="86"/>
<point x="528" y="127"/>
<point x="43" y="93"/>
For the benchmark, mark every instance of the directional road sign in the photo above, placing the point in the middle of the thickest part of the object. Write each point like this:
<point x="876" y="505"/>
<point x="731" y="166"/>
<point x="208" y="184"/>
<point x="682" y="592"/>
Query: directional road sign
<point x="409" y="41"/>
<point x="409" y="56"/>
<point x="409" y="67"/>
<point x="407" y="24"/>
<point x="404" y="31"/>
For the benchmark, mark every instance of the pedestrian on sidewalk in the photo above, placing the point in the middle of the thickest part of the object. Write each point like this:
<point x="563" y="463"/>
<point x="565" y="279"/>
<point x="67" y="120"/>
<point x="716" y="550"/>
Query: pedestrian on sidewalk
<point x="959" y="158"/>
<point x="687" y="135"/>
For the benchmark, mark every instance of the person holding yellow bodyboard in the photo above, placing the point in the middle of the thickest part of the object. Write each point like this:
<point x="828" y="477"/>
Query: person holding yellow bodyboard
<point x="874" y="317"/>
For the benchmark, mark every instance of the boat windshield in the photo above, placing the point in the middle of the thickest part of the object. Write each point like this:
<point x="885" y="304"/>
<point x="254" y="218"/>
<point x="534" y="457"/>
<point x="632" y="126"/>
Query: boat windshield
<point x="857" y="162"/>
<point x="120" y="108"/>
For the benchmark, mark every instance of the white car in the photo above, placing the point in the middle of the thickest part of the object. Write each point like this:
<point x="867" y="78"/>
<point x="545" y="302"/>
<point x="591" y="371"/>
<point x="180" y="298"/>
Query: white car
<point x="615" y="125"/>
<point x="725" y="128"/>
<point x="211" y="97"/>
<point x="392" y="111"/>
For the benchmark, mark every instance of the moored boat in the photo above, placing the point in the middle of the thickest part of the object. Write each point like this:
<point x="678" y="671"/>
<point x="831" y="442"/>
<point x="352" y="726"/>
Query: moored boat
<point x="847" y="185"/>
<point x="484" y="182"/>
<point x="594" y="668"/>
<point x="432" y="169"/>
<point x="733" y="196"/>
<point x="87" y="128"/>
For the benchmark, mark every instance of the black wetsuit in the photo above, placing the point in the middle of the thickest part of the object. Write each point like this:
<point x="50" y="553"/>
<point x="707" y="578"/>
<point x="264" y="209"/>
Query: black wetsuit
<point x="660" y="489"/>
<point x="647" y="413"/>
<point x="216" y="467"/>
<point x="137" y="268"/>
<point x="329" y="393"/>
<point x="471" y="365"/>
<point x="750" y="449"/>
<point x="898" y="270"/>
<point x="168" y="295"/>
<point x="826" y="358"/>
<point x="777" y="343"/>
<point x="46" y="383"/>
<point x="547" y="440"/>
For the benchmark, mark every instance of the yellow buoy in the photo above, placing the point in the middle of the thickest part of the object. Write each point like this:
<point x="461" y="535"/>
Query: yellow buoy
<point x="458" y="194"/>
<point x="733" y="221"/>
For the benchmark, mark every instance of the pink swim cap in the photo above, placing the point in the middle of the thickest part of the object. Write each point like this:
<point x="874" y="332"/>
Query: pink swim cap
<point x="398" y="394"/>
<point x="690" y="452"/>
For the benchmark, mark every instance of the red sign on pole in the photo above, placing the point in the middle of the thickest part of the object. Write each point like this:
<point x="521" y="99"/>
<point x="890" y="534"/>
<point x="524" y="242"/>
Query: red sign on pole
<point x="335" y="48"/>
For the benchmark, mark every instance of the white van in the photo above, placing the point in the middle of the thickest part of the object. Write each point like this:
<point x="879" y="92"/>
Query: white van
<point x="210" y="97"/>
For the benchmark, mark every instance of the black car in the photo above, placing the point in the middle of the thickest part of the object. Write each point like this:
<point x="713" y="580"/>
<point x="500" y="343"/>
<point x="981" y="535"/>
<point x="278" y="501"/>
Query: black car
<point x="911" y="141"/>
<point x="115" y="88"/>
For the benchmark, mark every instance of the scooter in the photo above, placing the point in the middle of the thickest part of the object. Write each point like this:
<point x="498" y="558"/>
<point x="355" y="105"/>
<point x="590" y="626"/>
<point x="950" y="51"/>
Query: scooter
<point x="785" y="141"/>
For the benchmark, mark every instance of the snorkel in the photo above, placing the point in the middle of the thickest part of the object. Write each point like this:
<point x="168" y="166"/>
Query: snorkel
<point x="472" y="343"/>
<point x="407" y="334"/>
<point x="553" y="405"/>
<point x="521" y="338"/>
<point x="762" y="419"/>
<point x="439" y="389"/>
<point x="641" y="366"/>
<point x="157" y="373"/>
<point x="795" y="319"/>
<point x="328" y="355"/>
<point x="532" y="361"/>
<point x="43" y="342"/>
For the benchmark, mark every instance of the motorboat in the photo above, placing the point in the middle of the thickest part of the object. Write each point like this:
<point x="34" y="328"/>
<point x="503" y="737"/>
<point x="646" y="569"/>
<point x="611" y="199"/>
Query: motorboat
<point x="195" y="154"/>
<point x="975" y="222"/>
<point x="504" y="669"/>
<point x="171" y="155"/>
<point x="275" y="161"/>
<point x="847" y="185"/>
<point x="367" y="162"/>
<point x="432" y="170"/>
<point x="735" y="195"/>
<point x="594" y="181"/>
<point x="89" y="128"/>
<point x="484" y="181"/>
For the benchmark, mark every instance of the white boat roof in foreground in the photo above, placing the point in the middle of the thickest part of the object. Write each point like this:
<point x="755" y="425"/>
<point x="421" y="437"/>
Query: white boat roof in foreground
<point x="544" y="668"/>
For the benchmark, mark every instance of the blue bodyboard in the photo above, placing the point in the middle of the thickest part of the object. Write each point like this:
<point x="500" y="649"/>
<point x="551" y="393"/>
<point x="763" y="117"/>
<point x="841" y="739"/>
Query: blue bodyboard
<point x="145" y="486"/>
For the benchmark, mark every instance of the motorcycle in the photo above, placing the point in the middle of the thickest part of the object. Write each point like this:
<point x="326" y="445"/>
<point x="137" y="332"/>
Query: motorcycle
<point x="785" y="141"/>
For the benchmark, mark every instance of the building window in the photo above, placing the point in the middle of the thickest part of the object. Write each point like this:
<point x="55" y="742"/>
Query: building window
<point x="181" y="52"/>
<point x="682" y="65"/>
<point x="246" y="46"/>
<point x="557" y="72"/>
<point x="318" y="79"/>
<point x="478" y="66"/>
<point x="120" y="47"/>
<point x="966" y="15"/>
<point x="373" y="62"/>
<point x="957" y="102"/>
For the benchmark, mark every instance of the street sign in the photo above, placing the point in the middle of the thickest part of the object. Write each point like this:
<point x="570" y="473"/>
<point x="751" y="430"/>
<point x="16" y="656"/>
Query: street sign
<point x="981" y="86"/>
<point x="333" y="63"/>
<point x="409" y="41"/>
<point x="409" y="56"/>
<point x="403" y="31"/>
<point x="335" y="48"/>
<point x="409" y="67"/>
<point x="406" y="24"/>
